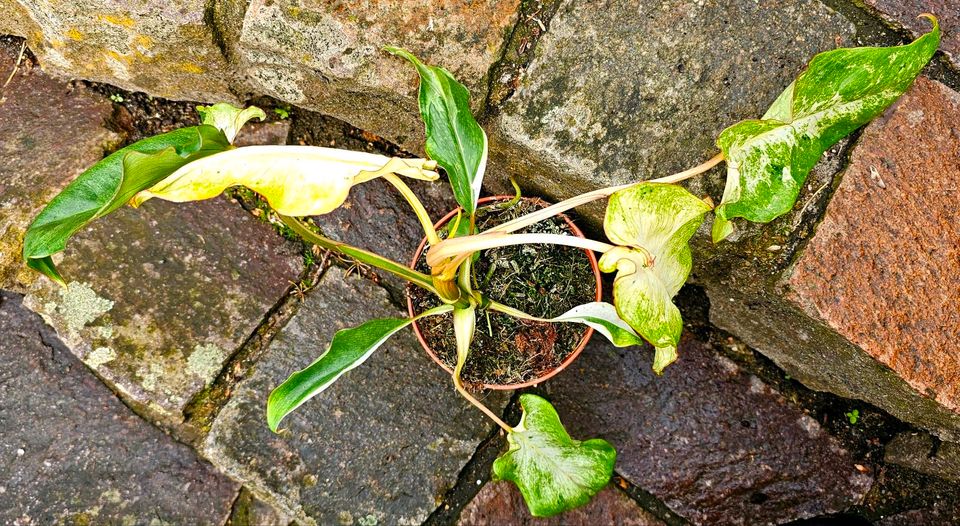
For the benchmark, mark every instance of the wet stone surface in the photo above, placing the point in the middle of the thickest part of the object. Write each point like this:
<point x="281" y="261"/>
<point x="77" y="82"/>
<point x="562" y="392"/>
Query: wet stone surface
<point x="711" y="441"/>
<point x="925" y="454"/>
<point x="500" y="503"/>
<point x="883" y="269"/>
<point x="36" y="161"/>
<point x="624" y="90"/>
<point x="381" y="444"/>
<point x="72" y="453"/>
<point x="162" y="295"/>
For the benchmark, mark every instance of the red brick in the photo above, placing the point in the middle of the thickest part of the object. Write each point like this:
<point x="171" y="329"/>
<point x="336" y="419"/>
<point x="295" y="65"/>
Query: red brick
<point x="883" y="269"/>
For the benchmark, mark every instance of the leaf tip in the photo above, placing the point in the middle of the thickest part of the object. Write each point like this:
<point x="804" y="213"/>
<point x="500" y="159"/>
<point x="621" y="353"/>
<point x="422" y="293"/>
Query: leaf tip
<point x="275" y="413"/>
<point x="722" y="228"/>
<point x="663" y="357"/>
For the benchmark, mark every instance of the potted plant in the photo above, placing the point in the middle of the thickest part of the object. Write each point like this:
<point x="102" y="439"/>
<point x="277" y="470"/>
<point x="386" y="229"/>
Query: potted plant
<point x="648" y="225"/>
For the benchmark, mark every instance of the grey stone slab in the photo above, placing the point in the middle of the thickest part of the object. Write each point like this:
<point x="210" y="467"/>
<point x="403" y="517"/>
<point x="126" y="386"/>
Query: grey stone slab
<point x="325" y="57"/>
<point x="381" y="444"/>
<point x="923" y="453"/>
<point x="714" y="443"/>
<point x="72" y="453"/>
<point x="621" y="91"/>
<point x="165" y="49"/>
<point x="49" y="133"/>
<point x="162" y="295"/>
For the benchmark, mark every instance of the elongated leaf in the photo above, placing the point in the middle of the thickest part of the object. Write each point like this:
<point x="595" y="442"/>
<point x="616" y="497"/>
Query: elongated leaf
<point x="228" y="118"/>
<point x="296" y="180"/>
<point x="600" y="315"/>
<point x="651" y="223"/>
<point x="464" y="327"/>
<point x="768" y="159"/>
<point x="109" y="184"/>
<point x="604" y="319"/>
<point x="454" y="139"/>
<point x="349" y="349"/>
<point x="554" y="472"/>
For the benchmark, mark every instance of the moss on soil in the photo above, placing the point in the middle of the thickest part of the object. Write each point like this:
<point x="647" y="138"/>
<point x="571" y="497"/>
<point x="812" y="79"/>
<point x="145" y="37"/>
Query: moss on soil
<point x="543" y="280"/>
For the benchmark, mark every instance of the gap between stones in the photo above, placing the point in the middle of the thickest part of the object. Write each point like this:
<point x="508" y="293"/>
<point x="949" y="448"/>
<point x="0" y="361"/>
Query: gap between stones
<point x="503" y="77"/>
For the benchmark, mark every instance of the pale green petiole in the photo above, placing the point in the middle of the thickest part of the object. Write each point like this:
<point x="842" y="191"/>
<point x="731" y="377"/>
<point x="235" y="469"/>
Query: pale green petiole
<point x="363" y="256"/>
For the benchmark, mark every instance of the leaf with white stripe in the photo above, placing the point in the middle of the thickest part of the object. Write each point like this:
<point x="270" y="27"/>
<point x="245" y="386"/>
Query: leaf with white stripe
<point x="604" y="319"/>
<point x="349" y="348"/>
<point x="554" y="472"/>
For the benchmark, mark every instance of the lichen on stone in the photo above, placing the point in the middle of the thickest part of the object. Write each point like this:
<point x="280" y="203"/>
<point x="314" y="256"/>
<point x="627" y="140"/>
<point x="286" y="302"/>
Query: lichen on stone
<point x="100" y="356"/>
<point x="80" y="305"/>
<point x="205" y="361"/>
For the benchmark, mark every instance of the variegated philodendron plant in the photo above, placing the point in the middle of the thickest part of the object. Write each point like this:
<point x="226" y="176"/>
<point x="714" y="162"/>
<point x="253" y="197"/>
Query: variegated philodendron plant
<point x="648" y="224"/>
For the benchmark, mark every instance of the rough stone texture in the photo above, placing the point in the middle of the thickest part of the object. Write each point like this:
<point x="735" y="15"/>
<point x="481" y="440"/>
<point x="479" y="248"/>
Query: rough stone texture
<point x="921" y="452"/>
<point x="251" y="511"/>
<point x="163" y="295"/>
<point x="29" y="174"/>
<point x="500" y="503"/>
<point x="73" y="454"/>
<point x="883" y="269"/>
<point x="621" y="90"/>
<point x="381" y="444"/>
<point x="874" y="292"/>
<point x="904" y="13"/>
<point x="166" y="50"/>
<point x="327" y="55"/>
<point x="711" y="441"/>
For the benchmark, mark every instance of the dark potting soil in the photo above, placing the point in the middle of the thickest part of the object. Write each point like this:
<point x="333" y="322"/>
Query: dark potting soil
<point x="542" y="280"/>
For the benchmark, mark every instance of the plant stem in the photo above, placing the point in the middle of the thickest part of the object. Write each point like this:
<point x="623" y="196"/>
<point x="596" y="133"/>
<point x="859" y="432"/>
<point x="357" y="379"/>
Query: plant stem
<point x="458" y="384"/>
<point x="464" y="246"/>
<point x="417" y="206"/>
<point x="563" y="206"/>
<point x="363" y="256"/>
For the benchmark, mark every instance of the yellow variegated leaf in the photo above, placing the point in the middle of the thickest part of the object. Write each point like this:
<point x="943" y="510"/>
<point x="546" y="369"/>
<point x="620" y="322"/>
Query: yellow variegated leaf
<point x="295" y="180"/>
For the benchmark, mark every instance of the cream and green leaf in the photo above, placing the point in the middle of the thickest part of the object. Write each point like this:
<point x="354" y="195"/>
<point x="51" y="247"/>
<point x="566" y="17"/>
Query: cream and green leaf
<point x="454" y="139"/>
<point x="111" y="183"/>
<point x="651" y="224"/>
<point x="554" y="472"/>
<point x="296" y="181"/>
<point x="768" y="159"/>
<point x="348" y="349"/>
<point x="599" y="315"/>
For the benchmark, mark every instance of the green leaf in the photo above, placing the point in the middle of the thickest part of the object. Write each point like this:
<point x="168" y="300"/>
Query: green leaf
<point x="554" y="472"/>
<point x="348" y="349"/>
<point x="109" y="184"/>
<point x="297" y="181"/>
<point x="651" y="223"/>
<point x="454" y="139"/>
<point x="228" y="118"/>
<point x="768" y="159"/>
<point x="604" y="319"/>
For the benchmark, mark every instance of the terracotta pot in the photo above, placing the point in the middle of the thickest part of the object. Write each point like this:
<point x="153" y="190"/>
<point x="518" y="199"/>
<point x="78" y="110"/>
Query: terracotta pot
<point x="583" y="341"/>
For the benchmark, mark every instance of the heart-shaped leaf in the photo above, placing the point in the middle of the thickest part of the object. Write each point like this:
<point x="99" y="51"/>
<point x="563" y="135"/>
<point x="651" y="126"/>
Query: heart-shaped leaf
<point x="454" y="139"/>
<point x="109" y="184"/>
<point x="348" y="349"/>
<point x="554" y="472"/>
<point x="768" y="159"/>
<point x="651" y="223"/>
<point x="296" y="180"/>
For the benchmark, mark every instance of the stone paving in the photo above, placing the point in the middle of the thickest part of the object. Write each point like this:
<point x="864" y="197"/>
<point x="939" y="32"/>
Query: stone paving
<point x="174" y="311"/>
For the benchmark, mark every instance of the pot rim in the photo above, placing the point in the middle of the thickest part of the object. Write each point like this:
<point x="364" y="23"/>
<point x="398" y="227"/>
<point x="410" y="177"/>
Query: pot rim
<point x="583" y="340"/>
